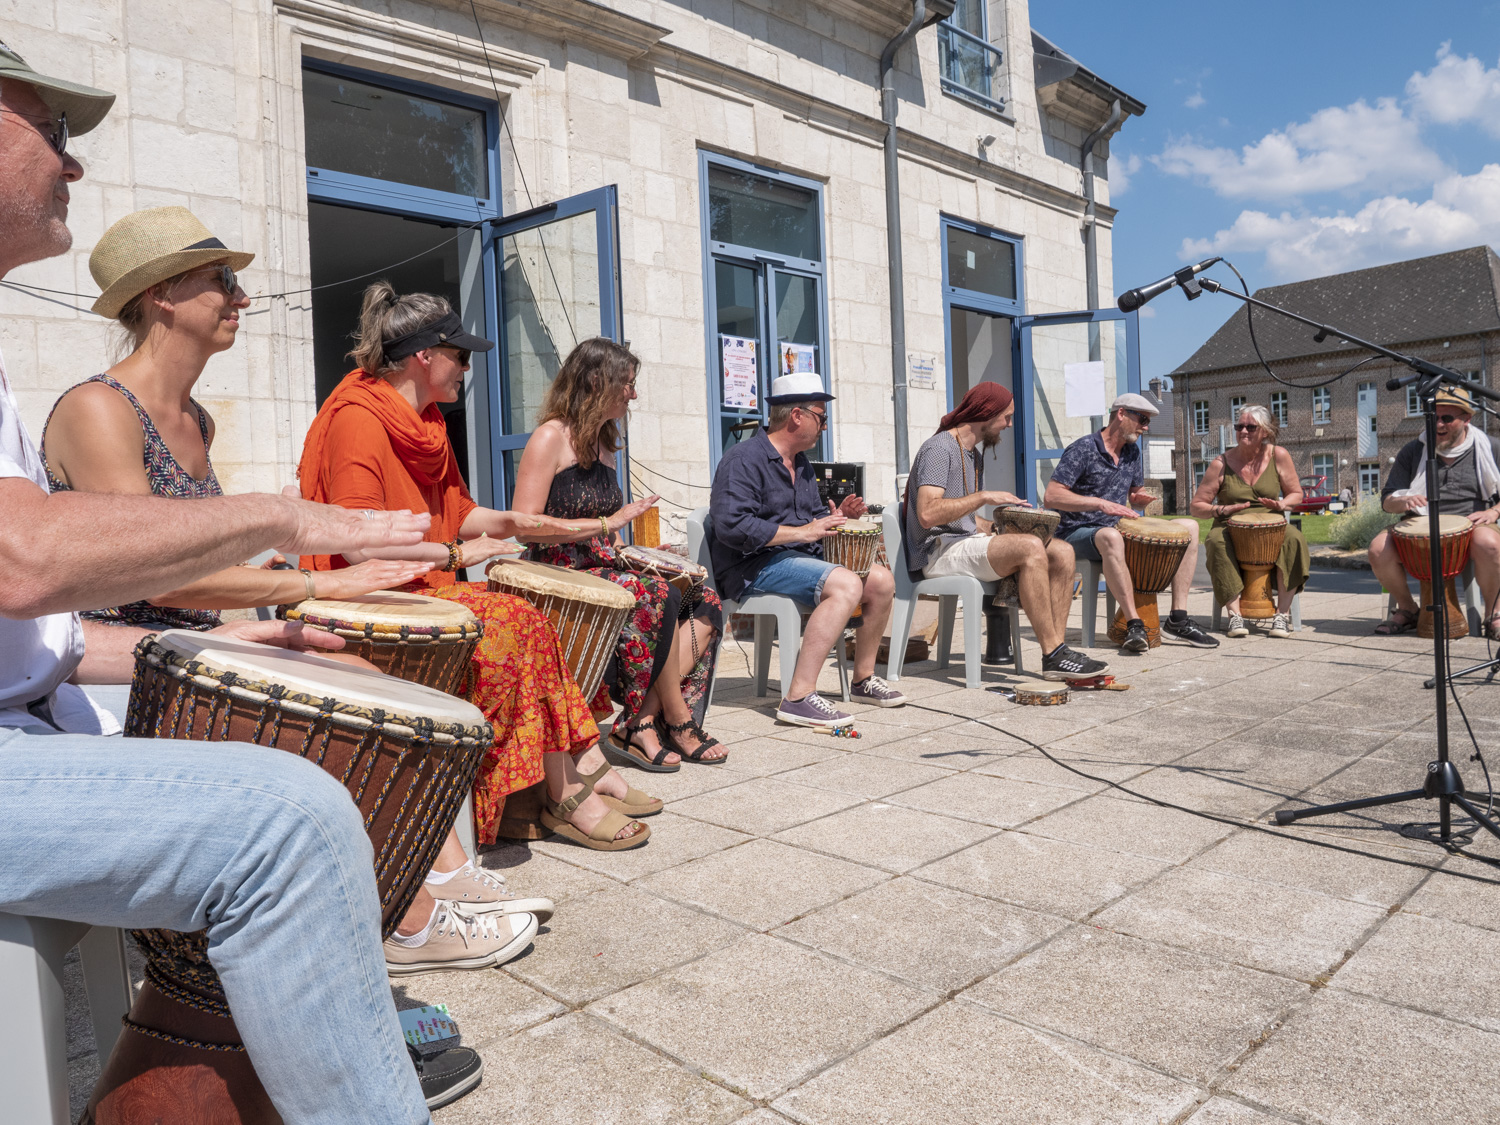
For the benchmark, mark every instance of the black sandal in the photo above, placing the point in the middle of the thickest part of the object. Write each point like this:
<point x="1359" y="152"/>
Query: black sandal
<point x="626" y="755"/>
<point x="706" y="743"/>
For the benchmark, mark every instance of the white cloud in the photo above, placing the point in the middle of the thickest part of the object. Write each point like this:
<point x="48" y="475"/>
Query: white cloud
<point x="1458" y="90"/>
<point x="1463" y="211"/>
<point x="1195" y="99"/>
<point x="1360" y="146"/>
<point x="1121" y="168"/>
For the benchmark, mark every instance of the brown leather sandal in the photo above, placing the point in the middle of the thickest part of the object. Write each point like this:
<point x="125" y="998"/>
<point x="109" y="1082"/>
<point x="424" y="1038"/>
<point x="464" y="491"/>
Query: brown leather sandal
<point x="604" y="836"/>
<point x="635" y="803"/>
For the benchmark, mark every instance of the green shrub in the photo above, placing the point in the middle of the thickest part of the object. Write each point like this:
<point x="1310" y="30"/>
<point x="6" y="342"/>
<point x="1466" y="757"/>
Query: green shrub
<point x="1353" y="530"/>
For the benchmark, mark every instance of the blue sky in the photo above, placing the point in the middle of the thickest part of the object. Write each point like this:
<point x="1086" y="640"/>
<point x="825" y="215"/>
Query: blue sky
<point x="1295" y="139"/>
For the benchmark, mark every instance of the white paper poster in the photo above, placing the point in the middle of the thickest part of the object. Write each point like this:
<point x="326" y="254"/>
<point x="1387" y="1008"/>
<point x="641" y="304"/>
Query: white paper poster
<point x="740" y="376"/>
<point x="798" y="357"/>
<point x="1083" y="389"/>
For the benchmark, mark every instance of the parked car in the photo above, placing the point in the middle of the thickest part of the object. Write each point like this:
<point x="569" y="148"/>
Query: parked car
<point x="1315" y="496"/>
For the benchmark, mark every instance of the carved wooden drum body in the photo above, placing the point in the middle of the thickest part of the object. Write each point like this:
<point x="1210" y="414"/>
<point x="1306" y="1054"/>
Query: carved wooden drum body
<point x="1257" y="539"/>
<point x="854" y="545"/>
<point x="1455" y="534"/>
<point x="1153" y="551"/>
<point x="1027" y="521"/>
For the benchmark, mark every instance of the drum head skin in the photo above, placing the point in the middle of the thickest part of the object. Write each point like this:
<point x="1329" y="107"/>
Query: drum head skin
<point x="1415" y="527"/>
<point x="664" y="560"/>
<point x="390" y="607"/>
<point x="314" y="676"/>
<point x="544" y="578"/>
<point x="1153" y="527"/>
<point x="1252" y="518"/>
<point x="859" y="527"/>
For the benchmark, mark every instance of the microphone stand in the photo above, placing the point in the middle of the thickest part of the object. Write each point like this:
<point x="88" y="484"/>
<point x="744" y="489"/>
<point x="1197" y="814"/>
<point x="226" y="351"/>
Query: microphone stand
<point x="1442" y="781"/>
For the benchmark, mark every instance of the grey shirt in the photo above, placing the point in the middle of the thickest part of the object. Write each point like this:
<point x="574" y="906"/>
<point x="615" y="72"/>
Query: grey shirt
<point x="943" y="463"/>
<point x="1459" y="491"/>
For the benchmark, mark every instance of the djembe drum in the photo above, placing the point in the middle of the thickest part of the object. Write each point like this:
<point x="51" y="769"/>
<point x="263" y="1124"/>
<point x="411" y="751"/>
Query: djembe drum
<point x="1455" y="533"/>
<point x="853" y="545"/>
<point x="587" y="612"/>
<point x="688" y="577"/>
<point x="1027" y="521"/>
<point x="412" y="636"/>
<point x="1257" y="537"/>
<point x="408" y="755"/>
<point x="1153" y="551"/>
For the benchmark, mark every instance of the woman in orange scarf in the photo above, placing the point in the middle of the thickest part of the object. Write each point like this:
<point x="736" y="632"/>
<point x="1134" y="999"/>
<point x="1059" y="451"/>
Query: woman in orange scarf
<point x="379" y="442"/>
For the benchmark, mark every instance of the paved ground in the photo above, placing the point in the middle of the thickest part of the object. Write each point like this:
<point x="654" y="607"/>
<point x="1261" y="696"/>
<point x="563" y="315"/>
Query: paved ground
<point x="935" y="923"/>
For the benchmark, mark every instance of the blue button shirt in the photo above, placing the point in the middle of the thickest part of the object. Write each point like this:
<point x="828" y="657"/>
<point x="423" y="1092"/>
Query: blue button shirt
<point x="1087" y="469"/>
<point x="752" y="498"/>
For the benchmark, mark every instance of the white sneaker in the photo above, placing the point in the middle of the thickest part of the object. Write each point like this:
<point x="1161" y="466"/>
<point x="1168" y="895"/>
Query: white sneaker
<point x="480" y="892"/>
<point x="1281" y="626"/>
<point x="460" y="940"/>
<point x="1236" y="626"/>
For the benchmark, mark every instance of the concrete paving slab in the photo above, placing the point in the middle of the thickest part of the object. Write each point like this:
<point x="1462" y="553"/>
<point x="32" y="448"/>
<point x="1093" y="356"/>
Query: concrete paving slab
<point x="1119" y="824"/>
<point x="1429" y="964"/>
<point x="857" y="775"/>
<point x="615" y="938"/>
<point x="1347" y="1059"/>
<point x="945" y="748"/>
<point x="691" y="780"/>
<point x="1243" y="798"/>
<point x="886" y="836"/>
<point x="763" y="805"/>
<point x="1222" y="1111"/>
<point x="942" y="1068"/>
<point x="766" y="755"/>
<point x="487" y="1004"/>
<point x="1464" y="890"/>
<point x="996" y="801"/>
<point x="1032" y="765"/>
<point x="674" y="839"/>
<point x="577" y="1069"/>
<point x="1379" y="879"/>
<point x="933" y="936"/>
<point x="529" y="872"/>
<point x="762" y="883"/>
<point x="1049" y="875"/>
<point x="1266" y="926"/>
<point x="1285" y="734"/>
<point x="1118" y="993"/>
<point x="764" y="1014"/>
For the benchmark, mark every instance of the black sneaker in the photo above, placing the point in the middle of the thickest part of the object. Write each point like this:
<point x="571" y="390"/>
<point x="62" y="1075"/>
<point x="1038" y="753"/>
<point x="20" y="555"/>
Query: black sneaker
<point x="1069" y="664"/>
<point x="1187" y="630"/>
<point x="447" y="1075"/>
<point x="1135" y="637"/>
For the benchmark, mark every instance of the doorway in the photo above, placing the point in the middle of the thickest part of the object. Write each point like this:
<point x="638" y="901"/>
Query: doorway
<point x="981" y="350"/>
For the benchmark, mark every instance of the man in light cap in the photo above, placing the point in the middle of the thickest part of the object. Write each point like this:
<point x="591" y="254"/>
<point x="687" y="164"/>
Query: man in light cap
<point x="943" y="536"/>
<point x="1468" y="485"/>
<point x="1098" y="482"/>
<point x="258" y="846"/>
<point x="769" y="522"/>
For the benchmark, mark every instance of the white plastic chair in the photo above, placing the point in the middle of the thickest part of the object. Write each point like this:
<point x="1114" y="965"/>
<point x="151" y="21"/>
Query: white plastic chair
<point x="949" y="591"/>
<point x="1092" y="573"/>
<point x="771" y="611"/>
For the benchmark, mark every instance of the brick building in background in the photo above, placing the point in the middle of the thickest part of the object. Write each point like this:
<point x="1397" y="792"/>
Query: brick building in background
<point x="1445" y="308"/>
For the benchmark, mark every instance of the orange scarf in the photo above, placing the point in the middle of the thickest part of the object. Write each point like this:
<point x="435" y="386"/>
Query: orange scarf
<point x="421" y="441"/>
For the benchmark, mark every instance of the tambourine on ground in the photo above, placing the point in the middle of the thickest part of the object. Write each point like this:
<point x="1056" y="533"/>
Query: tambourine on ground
<point x="408" y="756"/>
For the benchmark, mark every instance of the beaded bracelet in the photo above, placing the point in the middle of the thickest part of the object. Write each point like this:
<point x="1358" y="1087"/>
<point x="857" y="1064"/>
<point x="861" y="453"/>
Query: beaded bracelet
<point x="455" y="556"/>
<point x="604" y="526"/>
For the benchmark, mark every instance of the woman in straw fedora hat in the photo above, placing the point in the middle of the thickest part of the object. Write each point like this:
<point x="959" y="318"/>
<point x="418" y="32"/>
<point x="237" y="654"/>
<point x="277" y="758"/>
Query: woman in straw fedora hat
<point x="136" y="429"/>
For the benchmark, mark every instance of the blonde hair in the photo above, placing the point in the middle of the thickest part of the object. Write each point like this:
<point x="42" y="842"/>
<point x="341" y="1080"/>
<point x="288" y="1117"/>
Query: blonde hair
<point x="136" y="317"/>
<point x="586" y="392"/>
<point x="1264" y="419"/>
<point x="385" y="316"/>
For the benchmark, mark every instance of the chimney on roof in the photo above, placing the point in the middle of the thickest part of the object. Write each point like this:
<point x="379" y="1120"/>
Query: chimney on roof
<point x="1156" y="387"/>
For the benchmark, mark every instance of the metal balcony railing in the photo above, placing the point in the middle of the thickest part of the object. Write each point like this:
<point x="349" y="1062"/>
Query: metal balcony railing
<point x="969" y="66"/>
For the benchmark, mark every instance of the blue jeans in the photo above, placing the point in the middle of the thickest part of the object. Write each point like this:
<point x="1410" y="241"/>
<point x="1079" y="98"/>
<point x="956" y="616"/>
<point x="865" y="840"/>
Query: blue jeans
<point x="1082" y="541"/>
<point x="261" y="848"/>
<point x="798" y="576"/>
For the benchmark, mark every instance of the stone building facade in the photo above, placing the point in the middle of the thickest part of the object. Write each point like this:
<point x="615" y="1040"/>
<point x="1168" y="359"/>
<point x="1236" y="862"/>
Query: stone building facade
<point x="1444" y="308"/>
<point x="265" y="118"/>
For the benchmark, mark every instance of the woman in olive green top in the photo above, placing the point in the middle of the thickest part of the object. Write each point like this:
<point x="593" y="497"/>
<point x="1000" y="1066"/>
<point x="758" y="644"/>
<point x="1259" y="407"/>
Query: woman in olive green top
<point x="1256" y="472"/>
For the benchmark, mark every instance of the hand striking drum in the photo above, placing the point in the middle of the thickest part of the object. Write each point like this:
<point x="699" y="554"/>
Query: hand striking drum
<point x="1153" y="550"/>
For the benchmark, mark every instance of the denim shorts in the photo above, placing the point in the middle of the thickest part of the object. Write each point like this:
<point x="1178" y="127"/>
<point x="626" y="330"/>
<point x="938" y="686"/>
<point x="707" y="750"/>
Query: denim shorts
<point x="1082" y="541"/>
<point x="798" y="576"/>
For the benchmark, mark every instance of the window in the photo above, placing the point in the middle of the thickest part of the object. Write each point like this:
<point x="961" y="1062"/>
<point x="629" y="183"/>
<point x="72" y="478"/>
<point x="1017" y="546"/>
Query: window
<point x="1199" y="468"/>
<point x="1200" y="417"/>
<point x="966" y="60"/>
<point x="1236" y="404"/>
<point x="1322" y="465"/>
<point x="1369" y="477"/>
<point x="1278" y="407"/>
<point x="1413" y="404"/>
<point x="1373" y="429"/>
<point x="1322" y="404"/>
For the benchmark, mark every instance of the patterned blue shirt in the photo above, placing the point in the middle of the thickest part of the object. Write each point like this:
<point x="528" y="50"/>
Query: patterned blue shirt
<point x="1087" y="469"/>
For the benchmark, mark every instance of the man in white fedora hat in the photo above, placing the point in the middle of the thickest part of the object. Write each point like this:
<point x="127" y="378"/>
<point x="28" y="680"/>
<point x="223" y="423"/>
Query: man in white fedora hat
<point x="769" y="521"/>
<point x="131" y="832"/>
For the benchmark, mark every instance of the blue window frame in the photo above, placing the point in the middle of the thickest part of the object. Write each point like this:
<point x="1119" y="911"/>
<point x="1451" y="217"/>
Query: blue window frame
<point x="967" y="61"/>
<point x="763" y="281"/>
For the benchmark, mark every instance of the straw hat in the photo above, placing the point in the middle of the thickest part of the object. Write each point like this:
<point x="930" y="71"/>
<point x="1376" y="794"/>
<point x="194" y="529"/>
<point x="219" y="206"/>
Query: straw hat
<point x="151" y="246"/>
<point x="1449" y="395"/>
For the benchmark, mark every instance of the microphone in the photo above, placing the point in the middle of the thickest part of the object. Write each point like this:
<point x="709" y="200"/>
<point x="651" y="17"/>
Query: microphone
<point x="1133" y="299"/>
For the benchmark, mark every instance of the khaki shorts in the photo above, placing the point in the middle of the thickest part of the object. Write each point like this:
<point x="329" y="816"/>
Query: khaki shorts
<point x="969" y="555"/>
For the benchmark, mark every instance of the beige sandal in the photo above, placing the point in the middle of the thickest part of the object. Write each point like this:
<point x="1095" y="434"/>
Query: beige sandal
<point x="634" y="804"/>
<point x="603" y="837"/>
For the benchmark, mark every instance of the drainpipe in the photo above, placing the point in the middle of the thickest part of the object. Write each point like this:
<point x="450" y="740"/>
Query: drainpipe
<point x="888" y="107"/>
<point x="1090" y="235"/>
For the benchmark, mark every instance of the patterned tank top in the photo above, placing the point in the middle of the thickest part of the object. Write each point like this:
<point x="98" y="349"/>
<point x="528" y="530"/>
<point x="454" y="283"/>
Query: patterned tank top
<point x="167" y="478"/>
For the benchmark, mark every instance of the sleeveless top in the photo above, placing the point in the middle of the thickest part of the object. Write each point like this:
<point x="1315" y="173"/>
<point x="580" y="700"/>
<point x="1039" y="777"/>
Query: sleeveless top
<point x="581" y="494"/>
<point x="1234" y="490"/>
<point x="167" y="478"/>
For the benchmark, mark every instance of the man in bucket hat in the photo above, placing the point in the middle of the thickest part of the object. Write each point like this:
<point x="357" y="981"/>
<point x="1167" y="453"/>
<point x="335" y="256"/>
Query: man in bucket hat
<point x="769" y="522"/>
<point x="131" y="832"/>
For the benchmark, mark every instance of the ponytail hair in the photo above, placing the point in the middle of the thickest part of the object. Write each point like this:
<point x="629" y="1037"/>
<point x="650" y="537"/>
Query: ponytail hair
<point x="385" y="316"/>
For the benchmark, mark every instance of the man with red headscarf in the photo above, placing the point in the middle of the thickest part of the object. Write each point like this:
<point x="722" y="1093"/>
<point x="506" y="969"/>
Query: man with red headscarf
<point x="944" y="536"/>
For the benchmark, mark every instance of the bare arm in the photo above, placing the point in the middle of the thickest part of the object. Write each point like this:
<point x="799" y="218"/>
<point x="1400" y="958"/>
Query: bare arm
<point x="1062" y="499"/>
<point x="548" y="451"/>
<point x="1291" y="485"/>
<point x="1202" y="505"/>
<point x="80" y="550"/>
<point x="934" y="510"/>
<point x="245" y="587"/>
<point x="94" y="442"/>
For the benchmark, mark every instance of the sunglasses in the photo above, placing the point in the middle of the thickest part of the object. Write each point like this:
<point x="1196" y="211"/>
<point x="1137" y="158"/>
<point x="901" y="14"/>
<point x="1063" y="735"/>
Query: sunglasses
<point x="1142" y="419"/>
<point x="1246" y="427"/>
<point x="463" y="354"/>
<point x="1449" y="419"/>
<point x="820" y="416"/>
<point x="224" y="275"/>
<point x="56" y="132"/>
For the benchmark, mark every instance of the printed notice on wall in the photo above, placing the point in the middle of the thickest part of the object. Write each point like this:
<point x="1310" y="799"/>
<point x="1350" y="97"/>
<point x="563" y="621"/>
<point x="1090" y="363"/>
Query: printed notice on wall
<point x="919" y="370"/>
<point x="1083" y="389"/>
<point x="740" y="377"/>
<point x="798" y="357"/>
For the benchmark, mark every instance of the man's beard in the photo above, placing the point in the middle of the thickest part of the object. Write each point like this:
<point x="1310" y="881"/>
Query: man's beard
<point x="32" y="229"/>
<point x="1448" y="441"/>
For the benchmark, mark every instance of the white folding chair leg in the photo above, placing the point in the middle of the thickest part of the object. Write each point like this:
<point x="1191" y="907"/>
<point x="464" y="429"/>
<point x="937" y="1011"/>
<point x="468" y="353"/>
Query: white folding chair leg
<point x="1218" y="614"/>
<point x="106" y="978"/>
<point x="464" y="826"/>
<point x="1297" y="611"/>
<point x="843" y="662"/>
<point x="789" y="637"/>
<point x="973" y="640"/>
<point x="1090" y="600"/>
<point x="902" y="611"/>
<point x="1015" y="639"/>
<point x="947" y="609"/>
<point x="34" y="1033"/>
<point x="762" y="651"/>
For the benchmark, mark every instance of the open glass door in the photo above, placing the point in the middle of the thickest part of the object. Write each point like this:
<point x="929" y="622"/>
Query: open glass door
<point x="559" y="284"/>
<point x="1097" y="351"/>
